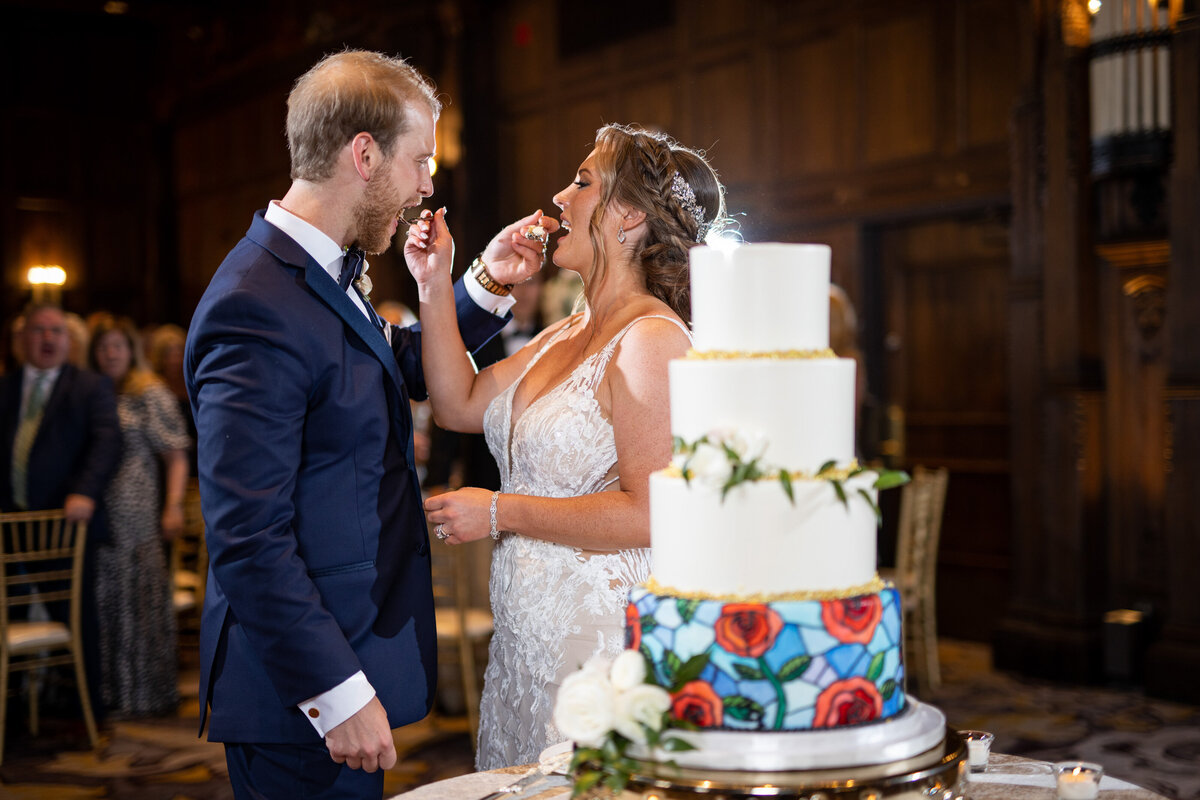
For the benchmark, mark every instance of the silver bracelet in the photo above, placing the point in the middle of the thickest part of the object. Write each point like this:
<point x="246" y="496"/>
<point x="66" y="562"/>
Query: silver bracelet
<point x="494" y="533"/>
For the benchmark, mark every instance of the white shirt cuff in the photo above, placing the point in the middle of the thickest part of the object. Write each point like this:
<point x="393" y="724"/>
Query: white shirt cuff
<point x="328" y="710"/>
<point x="497" y="304"/>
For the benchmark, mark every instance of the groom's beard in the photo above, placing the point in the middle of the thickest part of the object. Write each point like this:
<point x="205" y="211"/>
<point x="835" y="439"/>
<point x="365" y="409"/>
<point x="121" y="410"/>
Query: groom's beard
<point x="375" y="214"/>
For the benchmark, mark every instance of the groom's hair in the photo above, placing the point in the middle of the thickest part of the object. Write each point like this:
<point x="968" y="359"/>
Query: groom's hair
<point x="345" y="94"/>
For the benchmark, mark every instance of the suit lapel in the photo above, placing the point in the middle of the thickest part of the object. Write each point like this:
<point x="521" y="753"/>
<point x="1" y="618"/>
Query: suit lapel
<point x="327" y="289"/>
<point x="287" y="250"/>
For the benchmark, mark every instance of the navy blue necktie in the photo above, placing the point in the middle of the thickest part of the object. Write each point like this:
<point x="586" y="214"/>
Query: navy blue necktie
<point x="352" y="264"/>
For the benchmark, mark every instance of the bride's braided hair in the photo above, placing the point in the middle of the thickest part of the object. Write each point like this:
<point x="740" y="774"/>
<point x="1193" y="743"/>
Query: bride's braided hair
<point x="637" y="168"/>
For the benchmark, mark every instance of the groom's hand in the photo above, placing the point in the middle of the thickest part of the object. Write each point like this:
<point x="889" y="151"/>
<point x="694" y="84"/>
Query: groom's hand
<point x="364" y="741"/>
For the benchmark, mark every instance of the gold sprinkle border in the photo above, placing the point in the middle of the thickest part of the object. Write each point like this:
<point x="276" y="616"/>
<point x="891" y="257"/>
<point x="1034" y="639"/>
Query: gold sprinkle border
<point x="874" y="586"/>
<point x="771" y="355"/>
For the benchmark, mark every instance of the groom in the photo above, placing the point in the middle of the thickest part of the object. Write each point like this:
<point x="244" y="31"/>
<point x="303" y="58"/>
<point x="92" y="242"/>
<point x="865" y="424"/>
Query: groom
<point x="318" y="634"/>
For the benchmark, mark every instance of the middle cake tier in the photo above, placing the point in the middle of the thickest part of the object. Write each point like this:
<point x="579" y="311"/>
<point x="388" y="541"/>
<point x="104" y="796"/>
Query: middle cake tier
<point x="755" y="541"/>
<point x="802" y="407"/>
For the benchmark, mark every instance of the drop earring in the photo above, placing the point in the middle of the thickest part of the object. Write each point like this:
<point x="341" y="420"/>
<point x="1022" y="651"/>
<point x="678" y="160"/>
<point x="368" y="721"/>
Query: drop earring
<point x="621" y="234"/>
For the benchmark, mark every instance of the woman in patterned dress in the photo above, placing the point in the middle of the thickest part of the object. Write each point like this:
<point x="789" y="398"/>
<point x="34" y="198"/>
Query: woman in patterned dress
<point x="133" y="587"/>
<point x="577" y="420"/>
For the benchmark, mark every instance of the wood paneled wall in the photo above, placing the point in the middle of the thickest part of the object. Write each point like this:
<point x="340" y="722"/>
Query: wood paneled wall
<point x="813" y="112"/>
<point x="881" y="129"/>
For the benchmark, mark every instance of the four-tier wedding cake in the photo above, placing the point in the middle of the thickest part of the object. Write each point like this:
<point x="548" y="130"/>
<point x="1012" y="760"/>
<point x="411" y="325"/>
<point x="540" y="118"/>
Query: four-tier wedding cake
<point x="764" y="616"/>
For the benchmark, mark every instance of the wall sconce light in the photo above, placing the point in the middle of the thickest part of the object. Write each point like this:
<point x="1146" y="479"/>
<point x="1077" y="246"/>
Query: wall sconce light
<point x="46" y="282"/>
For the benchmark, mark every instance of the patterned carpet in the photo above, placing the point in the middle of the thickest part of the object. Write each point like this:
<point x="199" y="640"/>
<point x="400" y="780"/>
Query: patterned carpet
<point x="1153" y="743"/>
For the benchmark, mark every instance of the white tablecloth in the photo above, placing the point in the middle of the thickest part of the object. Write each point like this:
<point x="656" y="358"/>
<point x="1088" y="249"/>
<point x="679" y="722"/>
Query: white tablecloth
<point x="1007" y="778"/>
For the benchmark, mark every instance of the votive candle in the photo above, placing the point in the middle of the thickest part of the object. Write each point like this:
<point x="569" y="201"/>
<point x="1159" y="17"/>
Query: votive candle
<point x="1078" y="780"/>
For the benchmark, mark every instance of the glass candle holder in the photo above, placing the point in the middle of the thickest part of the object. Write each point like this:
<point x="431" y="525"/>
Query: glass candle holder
<point x="1077" y="780"/>
<point x="979" y="746"/>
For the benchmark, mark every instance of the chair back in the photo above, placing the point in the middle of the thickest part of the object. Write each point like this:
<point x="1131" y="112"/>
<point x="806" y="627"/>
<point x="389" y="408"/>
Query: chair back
<point x="189" y="553"/>
<point x="460" y="625"/>
<point x="41" y="560"/>
<point x="922" y="501"/>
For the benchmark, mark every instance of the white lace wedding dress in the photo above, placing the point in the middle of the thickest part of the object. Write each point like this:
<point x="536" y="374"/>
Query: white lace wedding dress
<point x="554" y="606"/>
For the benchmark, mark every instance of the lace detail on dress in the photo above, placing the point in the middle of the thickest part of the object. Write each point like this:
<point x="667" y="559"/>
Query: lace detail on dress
<point x="554" y="606"/>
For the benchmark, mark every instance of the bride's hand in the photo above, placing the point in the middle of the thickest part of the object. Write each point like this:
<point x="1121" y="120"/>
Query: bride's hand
<point x="511" y="257"/>
<point x="429" y="249"/>
<point x="460" y="516"/>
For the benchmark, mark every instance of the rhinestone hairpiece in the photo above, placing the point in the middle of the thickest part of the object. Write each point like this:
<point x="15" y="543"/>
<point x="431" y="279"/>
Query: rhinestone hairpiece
<point x="682" y="192"/>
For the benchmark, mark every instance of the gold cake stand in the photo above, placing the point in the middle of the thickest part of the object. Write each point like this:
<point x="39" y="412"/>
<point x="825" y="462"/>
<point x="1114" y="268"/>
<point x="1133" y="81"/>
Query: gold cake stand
<point x="937" y="773"/>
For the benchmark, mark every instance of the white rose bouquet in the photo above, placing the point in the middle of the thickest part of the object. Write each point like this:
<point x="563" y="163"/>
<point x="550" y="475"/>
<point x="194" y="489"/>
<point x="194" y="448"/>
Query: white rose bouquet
<point x="605" y="707"/>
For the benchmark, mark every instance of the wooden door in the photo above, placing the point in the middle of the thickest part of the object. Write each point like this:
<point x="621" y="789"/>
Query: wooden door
<point x="941" y="366"/>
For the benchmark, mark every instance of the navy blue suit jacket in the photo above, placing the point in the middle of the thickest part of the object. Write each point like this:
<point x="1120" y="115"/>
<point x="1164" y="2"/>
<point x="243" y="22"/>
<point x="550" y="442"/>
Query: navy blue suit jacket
<point x="78" y="444"/>
<point x="319" y="557"/>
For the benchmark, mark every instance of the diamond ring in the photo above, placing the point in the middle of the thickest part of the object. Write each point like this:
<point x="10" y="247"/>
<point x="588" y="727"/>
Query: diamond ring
<point x="440" y="531"/>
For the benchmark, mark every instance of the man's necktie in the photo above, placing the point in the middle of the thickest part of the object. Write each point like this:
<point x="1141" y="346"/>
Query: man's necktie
<point x="352" y="264"/>
<point x="23" y="441"/>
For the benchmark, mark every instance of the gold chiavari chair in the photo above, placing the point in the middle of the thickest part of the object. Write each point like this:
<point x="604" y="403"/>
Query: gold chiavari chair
<point x="41" y="560"/>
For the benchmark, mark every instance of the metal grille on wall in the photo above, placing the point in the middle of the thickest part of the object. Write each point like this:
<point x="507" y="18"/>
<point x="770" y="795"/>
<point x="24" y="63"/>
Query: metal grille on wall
<point x="1130" y="65"/>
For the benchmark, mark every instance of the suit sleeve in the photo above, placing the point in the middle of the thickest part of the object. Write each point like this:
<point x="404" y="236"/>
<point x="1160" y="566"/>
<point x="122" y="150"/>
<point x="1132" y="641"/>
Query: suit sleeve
<point x="103" y="453"/>
<point x="476" y="324"/>
<point x="251" y="387"/>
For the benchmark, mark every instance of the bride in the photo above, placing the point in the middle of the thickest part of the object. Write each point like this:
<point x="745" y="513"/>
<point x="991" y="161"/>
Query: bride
<point x="577" y="419"/>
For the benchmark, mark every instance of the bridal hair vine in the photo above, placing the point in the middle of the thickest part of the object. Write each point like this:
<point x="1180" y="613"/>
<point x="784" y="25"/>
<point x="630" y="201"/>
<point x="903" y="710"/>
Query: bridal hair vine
<point x="683" y="194"/>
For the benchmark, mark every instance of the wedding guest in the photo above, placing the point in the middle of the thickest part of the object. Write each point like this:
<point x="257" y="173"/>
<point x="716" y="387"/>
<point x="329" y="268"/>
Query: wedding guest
<point x="577" y="420"/>
<point x="318" y="631"/>
<point x="164" y="354"/>
<point x="60" y="444"/>
<point x="77" y="329"/>
<point x="396" y="313"/>
<point x="133" y="588"/>
<point x="14" y="355"/>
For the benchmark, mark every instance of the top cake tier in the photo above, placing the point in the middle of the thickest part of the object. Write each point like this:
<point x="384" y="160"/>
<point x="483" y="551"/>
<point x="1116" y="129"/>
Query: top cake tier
<point x="760" y="297"/>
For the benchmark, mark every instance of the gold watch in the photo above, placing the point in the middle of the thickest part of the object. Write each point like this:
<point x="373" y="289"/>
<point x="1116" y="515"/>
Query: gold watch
<point x="480" y="273"/>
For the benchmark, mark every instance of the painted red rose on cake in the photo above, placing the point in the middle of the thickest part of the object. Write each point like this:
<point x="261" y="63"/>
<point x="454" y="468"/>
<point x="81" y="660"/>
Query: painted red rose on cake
<point x="848" y="702"/>
<point x="633" y="627"/>
<point x="852" y="619"/>
<point x="699" y="704"/>
<point x="747" y="629"/>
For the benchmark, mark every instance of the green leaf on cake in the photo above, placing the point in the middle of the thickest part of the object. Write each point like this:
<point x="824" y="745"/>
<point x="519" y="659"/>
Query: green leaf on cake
<point x="871" y="502"/>
<point x="748" y="673"/>
<point x="876" y="668"/>
<point x="743" y="708"/>
<point x="690" y="671"/>
<point x="891" y="478"/>
<point x="888" y="689"/>
<point x="828" y="465"/>
<point x="794" y="668"/>
<point x="687" y="609"/>
<point x="645" y="651"/>
<point x="671" y="667"/>
<point x="785" y="480"/>
<point x="648" y="623"/>
<point x="841" y="492"/>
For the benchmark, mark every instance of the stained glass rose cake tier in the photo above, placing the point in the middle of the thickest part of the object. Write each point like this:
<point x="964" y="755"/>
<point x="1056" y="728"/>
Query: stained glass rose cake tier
<point x="765" y="618"/>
